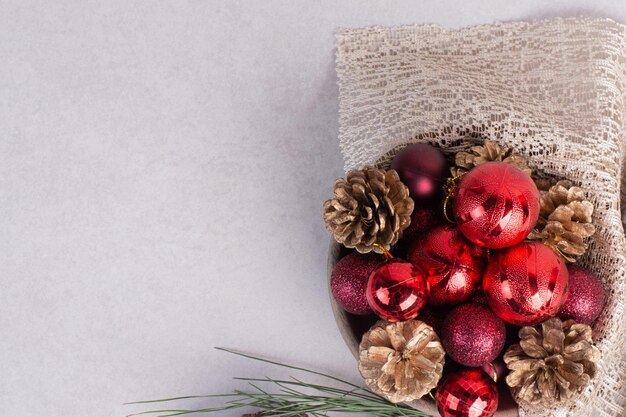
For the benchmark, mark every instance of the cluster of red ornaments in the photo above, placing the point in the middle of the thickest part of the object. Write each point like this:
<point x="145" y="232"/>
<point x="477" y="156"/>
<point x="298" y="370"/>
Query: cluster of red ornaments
<point x="495" y="206"/>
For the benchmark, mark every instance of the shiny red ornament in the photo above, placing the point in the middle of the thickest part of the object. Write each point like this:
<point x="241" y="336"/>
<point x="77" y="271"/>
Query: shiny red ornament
<point x="452" y="265"/>
<point x="526" y="284"/>
<point x="423" y="169"/>
<point x="467" y="393"/>
<point x="585" y="299"/>
<point x="496" y="205"/>
<point x="472" y="335"/>
<point x="396" y="290"/>
<point x="348" y="281"/>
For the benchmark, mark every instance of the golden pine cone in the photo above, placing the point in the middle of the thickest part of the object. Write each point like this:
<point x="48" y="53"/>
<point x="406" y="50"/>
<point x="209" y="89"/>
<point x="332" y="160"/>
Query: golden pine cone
<point x="401" y="361"/>
<point x="564" y="218"/>
<point x="489" y="151"/>
<point x="371" y="206"/>
<point x="552" y="365"/>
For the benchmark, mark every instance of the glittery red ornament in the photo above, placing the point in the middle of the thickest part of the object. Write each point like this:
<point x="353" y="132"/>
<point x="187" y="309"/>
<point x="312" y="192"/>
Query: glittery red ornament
<point x="467" y="393"/>
<point x="423" y="169"/>
<point x="585" y="299"/>
<point x="452" y="265"/>
<point x="472" y="335"/>
<point x="396" y="290"/>
<point x="433" y="316"/>
<point x="496" y="205"/>
<point x="525" y="284"/>
<point x="423" y="218"/>
<point x="479" y="297"/>
<point x="348" y="281"/>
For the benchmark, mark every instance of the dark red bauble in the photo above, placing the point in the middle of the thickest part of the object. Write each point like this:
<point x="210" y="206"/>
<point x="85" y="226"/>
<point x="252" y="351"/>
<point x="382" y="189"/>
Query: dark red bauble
<point x="433" y="316"/>
<point x="585" y="299"/>
<point x="451" y="264"/>
<point x="423" y="169"/>
<point x="348" y="281"/>
<point x="472" y="335"/>
<point x="496" y="205"/>
<point x="467" y="393"/>
<point x="526" y="284"/>
<point x="479" y="297"/>
<point x="396" y="290"/>
<point x="423" y="218"/>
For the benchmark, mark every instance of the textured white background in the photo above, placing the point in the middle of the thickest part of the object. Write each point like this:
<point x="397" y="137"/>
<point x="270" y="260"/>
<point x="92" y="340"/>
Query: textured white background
<point x="162" y="170"/>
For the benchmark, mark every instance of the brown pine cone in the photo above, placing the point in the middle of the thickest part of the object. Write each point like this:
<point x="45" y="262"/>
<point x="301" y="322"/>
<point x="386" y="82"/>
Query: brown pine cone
<point x="564" y="218"/>
<point x="489" y="151"/>
<point x="553" y="364"/>
<point x="401" y="361"/>
<point x="371" y="206"/>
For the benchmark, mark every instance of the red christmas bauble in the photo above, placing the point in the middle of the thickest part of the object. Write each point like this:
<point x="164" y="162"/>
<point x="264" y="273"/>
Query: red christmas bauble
<point x="525" y="284"/>
<point x="472" y="335"/>
<point x="422" y="168"/>
<point x="396" y="290"/>
<point x="479" y="297"/>
<point x="467" y="393"/>
<point x="348" y="281"/>
<point x="496" y="205"/>
<point x="585" y="299"/>
<point x="452" y="265"/>
<point x="433" y="316"/>
<point x="423" y="218"/>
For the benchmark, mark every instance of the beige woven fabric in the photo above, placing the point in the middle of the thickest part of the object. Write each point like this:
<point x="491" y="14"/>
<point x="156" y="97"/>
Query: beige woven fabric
<point x="554" y="89"/>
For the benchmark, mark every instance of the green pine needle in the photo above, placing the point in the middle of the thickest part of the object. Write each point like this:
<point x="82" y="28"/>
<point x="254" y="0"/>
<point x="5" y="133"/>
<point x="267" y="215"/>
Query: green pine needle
<point x="292" y="398"/>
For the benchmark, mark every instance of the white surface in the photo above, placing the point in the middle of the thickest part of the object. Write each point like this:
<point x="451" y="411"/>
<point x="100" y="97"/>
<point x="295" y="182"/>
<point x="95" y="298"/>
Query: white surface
<point x="162" y="170"/>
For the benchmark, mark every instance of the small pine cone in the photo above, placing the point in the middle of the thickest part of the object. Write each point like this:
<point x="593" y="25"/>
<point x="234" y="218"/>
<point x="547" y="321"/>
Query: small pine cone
<point x="564" y="218"/>
<point x="371" y="206"/>
<point x="401" y="361"/>
<point x="490" y="151"/>
<point x="551" y="365"/>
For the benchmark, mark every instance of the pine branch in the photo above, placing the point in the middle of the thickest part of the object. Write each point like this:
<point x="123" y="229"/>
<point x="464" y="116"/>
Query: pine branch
<point x="293" y="398"/>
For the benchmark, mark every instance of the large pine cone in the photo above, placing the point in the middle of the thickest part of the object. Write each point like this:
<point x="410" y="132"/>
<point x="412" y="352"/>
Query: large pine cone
<point x="564" y="218"/>
<point x="489" y="151"/>
<point x="553" y="365"/>
<point x="401" y="361"/>
<point x="371" y="206"/>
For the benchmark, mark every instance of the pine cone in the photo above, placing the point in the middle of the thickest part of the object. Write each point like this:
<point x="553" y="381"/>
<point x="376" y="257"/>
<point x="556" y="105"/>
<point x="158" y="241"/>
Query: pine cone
<point x="490" y="151"/>
<point x="401" y="361"/>
<point x="371" y="206"/>
<point x="564" y="218"/>
<point x="552" y="365"/>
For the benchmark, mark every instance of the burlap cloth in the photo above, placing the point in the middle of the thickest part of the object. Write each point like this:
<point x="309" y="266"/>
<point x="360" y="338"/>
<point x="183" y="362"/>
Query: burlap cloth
<point x="554" y="89"/>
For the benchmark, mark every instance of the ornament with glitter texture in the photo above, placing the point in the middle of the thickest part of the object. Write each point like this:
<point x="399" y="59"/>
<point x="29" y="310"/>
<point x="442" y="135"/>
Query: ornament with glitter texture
<point x="396" y="290"/>
<point x="585" y="299"/>
<point x="496" y="205"/>
<point x="452" y="265"/>
<point x="472" y="335"/>
<point x="423" y="218"/>
<point x="467" y="393"/>
<point x="433" y="316"/>
<point x="526" y="284"/>
<point x="348" y="281"/>
<point x="422" y="168"/>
